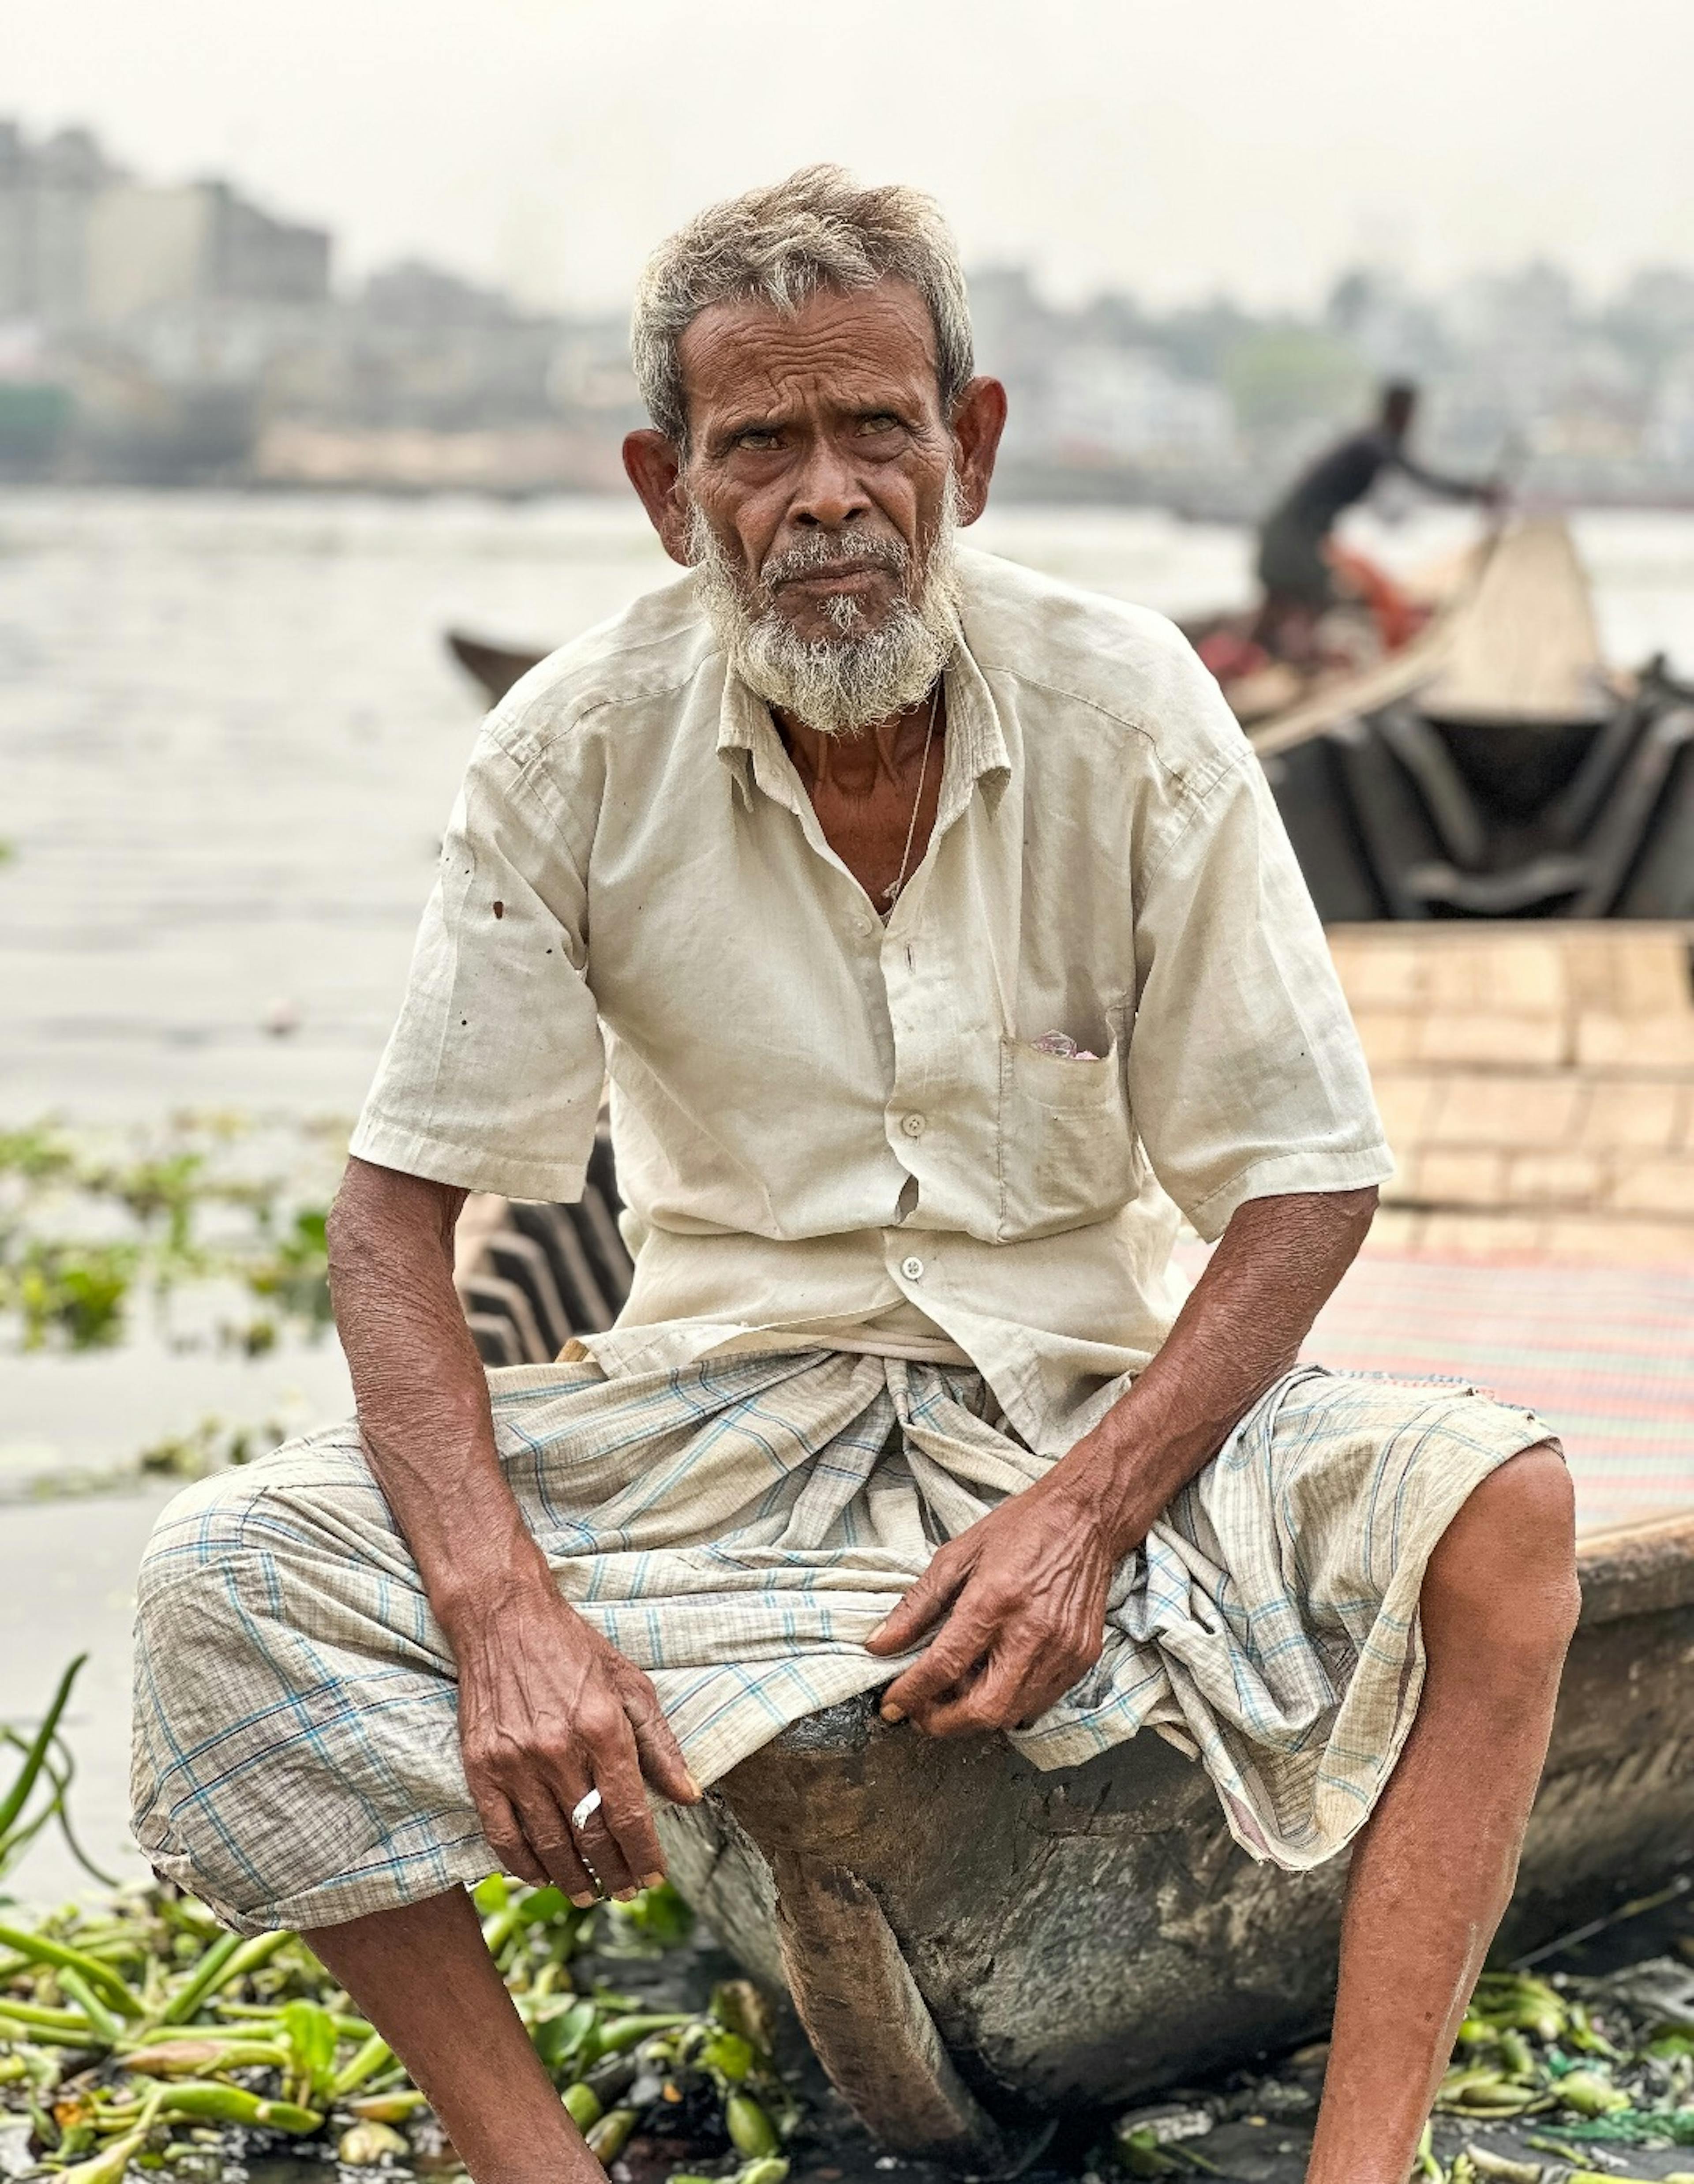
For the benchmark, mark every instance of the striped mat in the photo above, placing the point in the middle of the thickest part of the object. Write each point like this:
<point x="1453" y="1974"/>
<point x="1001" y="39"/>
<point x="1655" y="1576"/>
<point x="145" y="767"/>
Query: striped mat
<point x="1605" y="1354"/>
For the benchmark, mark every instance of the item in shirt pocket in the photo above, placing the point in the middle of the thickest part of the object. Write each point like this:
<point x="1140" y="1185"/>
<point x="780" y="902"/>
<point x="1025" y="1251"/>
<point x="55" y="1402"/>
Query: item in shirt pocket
<point x="1067" y="1153"/>
<point x="1062" y="1047"/>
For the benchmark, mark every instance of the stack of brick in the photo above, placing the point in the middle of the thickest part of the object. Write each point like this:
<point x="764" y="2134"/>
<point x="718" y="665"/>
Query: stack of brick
<point x="1537" y="1083"/>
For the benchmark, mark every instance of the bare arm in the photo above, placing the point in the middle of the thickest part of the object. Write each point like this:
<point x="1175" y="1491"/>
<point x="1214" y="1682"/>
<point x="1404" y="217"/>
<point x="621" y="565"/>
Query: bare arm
<point x="1021" y="1596"/>
<point x="546" y="1709"/>
<point x="1486" y="490"/>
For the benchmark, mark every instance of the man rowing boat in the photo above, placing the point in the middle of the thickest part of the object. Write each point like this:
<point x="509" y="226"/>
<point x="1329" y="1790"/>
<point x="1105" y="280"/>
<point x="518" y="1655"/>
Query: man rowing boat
<point x="1297" y="559"/>
<point x="939" y="936"/>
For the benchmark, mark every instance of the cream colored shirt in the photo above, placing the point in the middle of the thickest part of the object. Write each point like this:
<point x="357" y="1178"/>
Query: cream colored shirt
<point x="823" y="1122"/>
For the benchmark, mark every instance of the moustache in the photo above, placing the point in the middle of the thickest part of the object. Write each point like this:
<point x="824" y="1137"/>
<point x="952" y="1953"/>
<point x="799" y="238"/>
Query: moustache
<point x="825" y="551"/>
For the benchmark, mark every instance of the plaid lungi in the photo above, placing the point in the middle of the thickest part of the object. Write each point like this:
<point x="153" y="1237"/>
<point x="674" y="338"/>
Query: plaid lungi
<point x="737" y="1529"/>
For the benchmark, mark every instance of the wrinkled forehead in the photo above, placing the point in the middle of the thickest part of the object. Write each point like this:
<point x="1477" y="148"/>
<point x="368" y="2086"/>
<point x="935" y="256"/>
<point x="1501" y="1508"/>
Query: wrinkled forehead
<point x="848" y="349"/>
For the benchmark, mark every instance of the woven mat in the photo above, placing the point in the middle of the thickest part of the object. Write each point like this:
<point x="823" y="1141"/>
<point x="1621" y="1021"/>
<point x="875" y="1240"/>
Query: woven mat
<point x="1605" y="1354"/>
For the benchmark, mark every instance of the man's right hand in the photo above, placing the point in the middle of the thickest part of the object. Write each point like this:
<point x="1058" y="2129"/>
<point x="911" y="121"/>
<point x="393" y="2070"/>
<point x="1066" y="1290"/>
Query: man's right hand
<point x="548" y="1711"/>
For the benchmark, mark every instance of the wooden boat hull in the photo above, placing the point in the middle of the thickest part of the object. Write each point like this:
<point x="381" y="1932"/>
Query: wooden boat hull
<point x="973" y="1944"/>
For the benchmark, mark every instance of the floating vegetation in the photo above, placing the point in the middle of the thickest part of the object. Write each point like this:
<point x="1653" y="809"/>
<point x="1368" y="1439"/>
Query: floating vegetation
<point x="213" y="1444"/>
<point x="1607" y="2061"/>
<point x="91" y="1226"/>
<point x="1570" y="2070"/>
<point x="139" y="2033"/>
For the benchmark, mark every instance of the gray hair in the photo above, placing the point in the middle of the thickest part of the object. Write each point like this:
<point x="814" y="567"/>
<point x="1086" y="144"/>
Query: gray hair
<point x="779" y="245"/>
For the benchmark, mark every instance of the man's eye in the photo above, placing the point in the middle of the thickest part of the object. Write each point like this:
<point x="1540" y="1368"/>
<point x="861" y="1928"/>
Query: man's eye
<point x="757" y="436"/>
<point x="880" y="421"/>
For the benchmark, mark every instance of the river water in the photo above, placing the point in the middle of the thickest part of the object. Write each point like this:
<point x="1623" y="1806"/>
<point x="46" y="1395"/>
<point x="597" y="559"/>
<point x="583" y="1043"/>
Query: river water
<point x="229" y="735"/>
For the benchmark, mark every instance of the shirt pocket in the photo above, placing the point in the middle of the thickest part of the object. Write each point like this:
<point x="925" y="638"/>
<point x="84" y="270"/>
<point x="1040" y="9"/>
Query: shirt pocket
<point x="1068" y="1154"/>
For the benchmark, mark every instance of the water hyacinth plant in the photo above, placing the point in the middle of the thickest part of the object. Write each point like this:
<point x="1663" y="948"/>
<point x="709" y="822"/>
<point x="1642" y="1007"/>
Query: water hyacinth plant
<point x="1552" y="2080"/>
<point x="35" y="1798"/>
<point x="137" y="2034"/>
<point x="1604" y="2060"/>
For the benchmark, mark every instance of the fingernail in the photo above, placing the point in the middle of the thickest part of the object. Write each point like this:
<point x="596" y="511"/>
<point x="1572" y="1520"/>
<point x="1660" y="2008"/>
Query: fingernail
<point x="879" y="1629"/>
<point x="652" y="1879"/>
<point x="694" y="1789"/>
<point x="582" y="1901"/>
<point x="626" y="1896"/>
<point x="892" y="1714"/>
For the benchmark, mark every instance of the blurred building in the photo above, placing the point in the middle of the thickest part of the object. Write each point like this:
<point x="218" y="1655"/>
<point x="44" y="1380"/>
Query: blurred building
<point x="202" y="243"/>
<point x="47" y="194"/>
<point x="164" y="333"/>
<point x="82" y="243"/>
<point x="1668" y="437"/>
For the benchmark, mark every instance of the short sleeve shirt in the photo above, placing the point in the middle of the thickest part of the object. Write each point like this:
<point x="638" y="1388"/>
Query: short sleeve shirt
<point x="822" y="1119"/>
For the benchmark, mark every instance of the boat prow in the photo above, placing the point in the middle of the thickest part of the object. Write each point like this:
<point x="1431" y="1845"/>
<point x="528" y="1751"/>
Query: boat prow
<point x="496" y="667"/>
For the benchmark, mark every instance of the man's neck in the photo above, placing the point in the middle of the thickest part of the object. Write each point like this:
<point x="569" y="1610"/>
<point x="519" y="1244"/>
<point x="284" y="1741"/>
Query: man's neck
<point x="876" y="793"/>
<point x="888" y="753"/>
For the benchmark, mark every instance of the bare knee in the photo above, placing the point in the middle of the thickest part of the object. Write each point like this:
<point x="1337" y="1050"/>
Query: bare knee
<point x="1503" y="1576"/>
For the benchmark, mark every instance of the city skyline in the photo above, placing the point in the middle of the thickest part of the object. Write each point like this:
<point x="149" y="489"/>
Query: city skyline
<point x="1173" y="152"/>
<point x="329" y="270"/>
<point x="167" y="329"/>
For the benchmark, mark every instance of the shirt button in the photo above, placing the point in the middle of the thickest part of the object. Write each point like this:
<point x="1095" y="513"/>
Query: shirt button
<point x="912" y="1269"/>
<point x="913" y="1125"/>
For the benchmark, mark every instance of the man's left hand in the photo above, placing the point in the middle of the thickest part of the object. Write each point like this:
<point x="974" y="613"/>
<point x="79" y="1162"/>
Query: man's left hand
<point x="1021" y="1601"/>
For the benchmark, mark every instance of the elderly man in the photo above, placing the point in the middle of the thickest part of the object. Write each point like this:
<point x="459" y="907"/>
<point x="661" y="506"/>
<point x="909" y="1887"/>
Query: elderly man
<point x="940" y="942"/>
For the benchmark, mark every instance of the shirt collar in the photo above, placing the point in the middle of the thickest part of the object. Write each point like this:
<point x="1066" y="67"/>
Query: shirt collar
<point x="976" y="748"/>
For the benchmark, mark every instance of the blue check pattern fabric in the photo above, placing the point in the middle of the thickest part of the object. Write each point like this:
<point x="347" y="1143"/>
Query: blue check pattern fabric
<point x="737" y="1527"/>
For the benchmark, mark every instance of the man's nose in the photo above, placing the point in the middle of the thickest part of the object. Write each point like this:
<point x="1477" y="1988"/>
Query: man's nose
<point x="828" y="494"/>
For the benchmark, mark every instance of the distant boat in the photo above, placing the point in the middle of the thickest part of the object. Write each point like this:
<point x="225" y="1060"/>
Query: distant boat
<point x="495" y="667"/>
<point x="1496" y="765"/>
<point x="1491" y="767"/>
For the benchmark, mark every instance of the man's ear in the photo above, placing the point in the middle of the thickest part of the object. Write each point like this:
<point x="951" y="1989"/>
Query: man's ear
<point x="655" y="469"/>
<point x="978" y="421"/>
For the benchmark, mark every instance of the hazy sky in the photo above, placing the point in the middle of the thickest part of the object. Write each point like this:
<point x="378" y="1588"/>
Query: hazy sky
<point x="1174" y="146"/>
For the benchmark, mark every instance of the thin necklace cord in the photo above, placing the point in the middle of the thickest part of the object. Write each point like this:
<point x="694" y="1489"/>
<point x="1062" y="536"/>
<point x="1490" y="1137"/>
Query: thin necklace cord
<point x="892" y="894"/>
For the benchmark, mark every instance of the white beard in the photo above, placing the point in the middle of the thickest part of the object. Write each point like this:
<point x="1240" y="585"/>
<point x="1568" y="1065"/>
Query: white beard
<point x="834" y="684"/>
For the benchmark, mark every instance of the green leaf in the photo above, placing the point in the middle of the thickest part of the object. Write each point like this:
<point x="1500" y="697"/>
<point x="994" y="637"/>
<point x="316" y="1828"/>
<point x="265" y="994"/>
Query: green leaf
<point x="309" y="2033"/>
<point x="36" y="1758"/>
<point x="560" y="2036"/>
